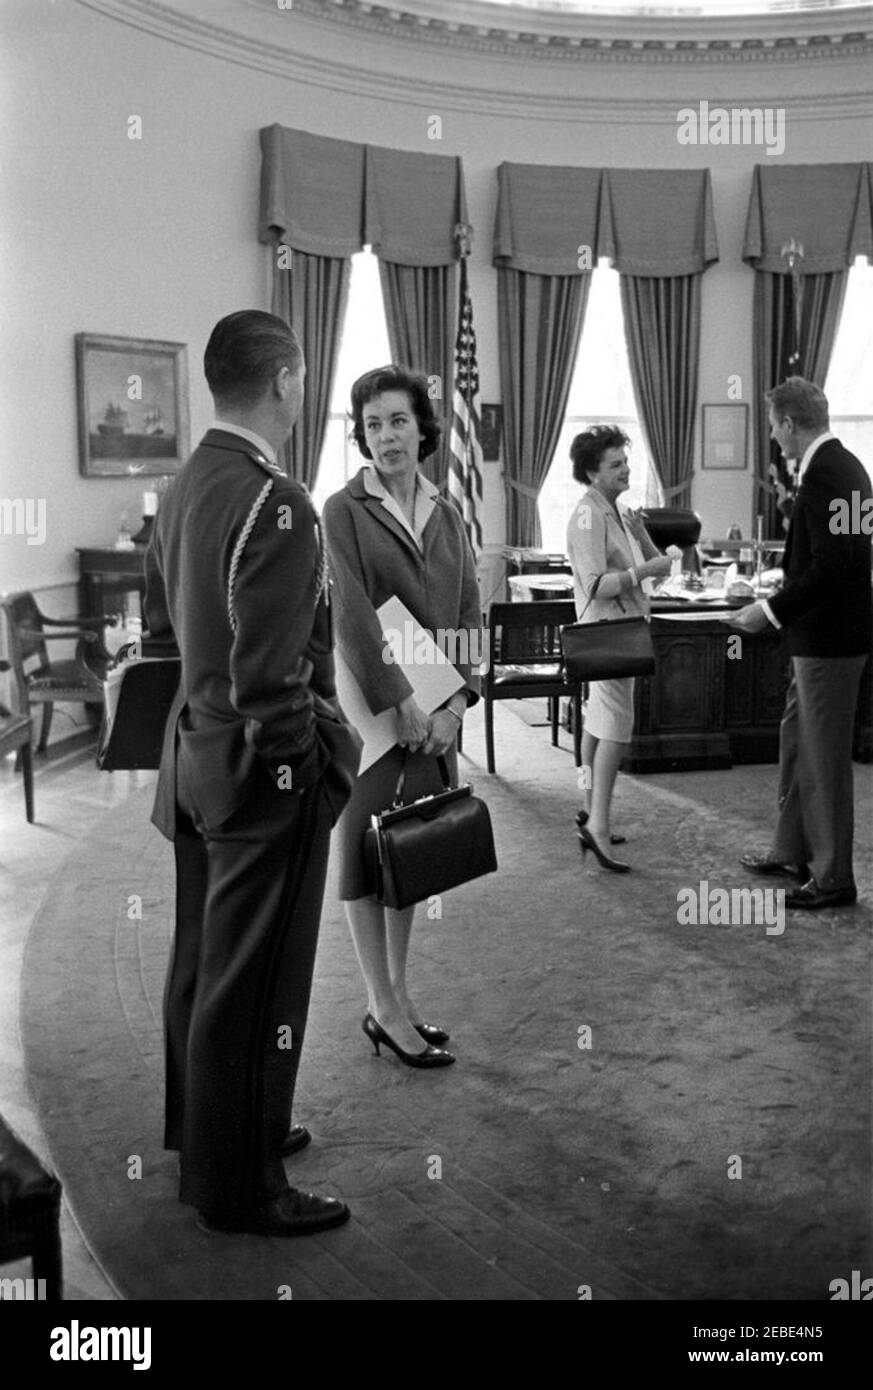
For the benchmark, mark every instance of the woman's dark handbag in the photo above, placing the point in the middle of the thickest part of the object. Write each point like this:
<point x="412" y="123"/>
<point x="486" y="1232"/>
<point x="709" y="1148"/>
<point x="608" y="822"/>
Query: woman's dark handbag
<point x="139" y="696"/>
<point x="430" y="845"/>
<point x="610" y="649"/>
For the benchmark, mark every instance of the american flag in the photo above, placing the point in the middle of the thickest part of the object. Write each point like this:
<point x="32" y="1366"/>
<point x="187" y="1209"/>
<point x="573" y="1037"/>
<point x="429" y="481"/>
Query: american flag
<point x="782" y="477"/>
<point x="465" y="448"/>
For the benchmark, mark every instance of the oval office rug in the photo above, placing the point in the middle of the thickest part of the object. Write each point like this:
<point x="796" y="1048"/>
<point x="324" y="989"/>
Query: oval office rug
<point x="612" y="1067"/>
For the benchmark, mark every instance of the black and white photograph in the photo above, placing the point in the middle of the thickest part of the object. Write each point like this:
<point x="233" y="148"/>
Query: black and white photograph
<point x="436" y="706"/>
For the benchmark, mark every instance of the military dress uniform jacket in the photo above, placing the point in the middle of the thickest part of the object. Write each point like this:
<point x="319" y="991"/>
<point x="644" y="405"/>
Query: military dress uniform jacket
<point x="265" y="693"/>
<point x="825" y="602"/>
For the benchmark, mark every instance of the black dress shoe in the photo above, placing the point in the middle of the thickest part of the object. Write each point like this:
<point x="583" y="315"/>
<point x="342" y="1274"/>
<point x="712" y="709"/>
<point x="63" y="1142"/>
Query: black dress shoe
<point x="431" y="1034"/>
<point x="812" y="897"/>
<point x="296" y="1139"/>
<point x="430" y="1057"/>
<point x="763" y="864"/>
<point x="587" y="841"/>
<point x="293" y="1214"/>
<point x="582" y="821"/>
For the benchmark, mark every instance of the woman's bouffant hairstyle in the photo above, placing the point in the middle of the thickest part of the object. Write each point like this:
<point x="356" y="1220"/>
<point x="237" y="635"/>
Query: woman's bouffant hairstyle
<point x="588" y="449"/>
<point x="392" y="378"/>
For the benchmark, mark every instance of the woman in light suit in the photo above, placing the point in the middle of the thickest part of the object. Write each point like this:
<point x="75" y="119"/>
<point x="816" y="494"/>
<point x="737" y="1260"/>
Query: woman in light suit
<point x="611" y="554"/>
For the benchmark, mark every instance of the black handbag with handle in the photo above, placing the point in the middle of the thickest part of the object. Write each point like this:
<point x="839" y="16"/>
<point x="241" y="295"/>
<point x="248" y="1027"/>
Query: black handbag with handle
<point x="139" y="696"/>
<point x="430" y="845"/>
<point x="610" y="649"/>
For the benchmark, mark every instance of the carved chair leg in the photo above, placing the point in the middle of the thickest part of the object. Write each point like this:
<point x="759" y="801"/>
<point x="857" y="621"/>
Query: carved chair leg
<point x="489" y="733"/>
<point x="577" y="726"/>
<point x="47" y="712"/>
<point x="26" y="755"/>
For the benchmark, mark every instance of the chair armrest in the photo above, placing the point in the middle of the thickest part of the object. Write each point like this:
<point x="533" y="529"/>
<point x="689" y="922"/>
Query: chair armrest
<point x="95" y="623"/>
<point x="39" y="636"/>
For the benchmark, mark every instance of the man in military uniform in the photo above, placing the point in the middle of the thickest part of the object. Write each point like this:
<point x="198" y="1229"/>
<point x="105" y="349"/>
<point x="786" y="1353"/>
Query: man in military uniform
<point x="257" y="765"/>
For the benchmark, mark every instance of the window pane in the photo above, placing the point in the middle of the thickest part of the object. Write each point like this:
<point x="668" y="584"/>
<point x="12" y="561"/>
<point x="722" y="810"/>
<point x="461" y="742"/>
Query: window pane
<point x="849" y="386"/>
<point x="364" y="346"/>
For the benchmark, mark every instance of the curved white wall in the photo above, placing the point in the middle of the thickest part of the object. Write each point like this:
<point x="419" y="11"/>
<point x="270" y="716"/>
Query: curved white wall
<point x="157" y="238"/>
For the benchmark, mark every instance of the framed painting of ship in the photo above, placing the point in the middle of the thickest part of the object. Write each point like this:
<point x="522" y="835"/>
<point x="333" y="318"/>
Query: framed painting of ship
<point x="133" y="406"/>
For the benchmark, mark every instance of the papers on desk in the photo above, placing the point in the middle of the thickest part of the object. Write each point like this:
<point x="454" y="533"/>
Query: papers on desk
<point x="430" y="673"/>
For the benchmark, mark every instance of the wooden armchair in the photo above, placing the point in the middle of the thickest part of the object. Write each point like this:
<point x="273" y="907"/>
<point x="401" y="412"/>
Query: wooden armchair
<point x="16" y="736"/>
<point x="40" y="681"/>
<point x="525" y="663"/>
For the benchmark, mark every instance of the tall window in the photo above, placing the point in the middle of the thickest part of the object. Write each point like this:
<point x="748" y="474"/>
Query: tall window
<point x="364" y="346"/>
<point x="849" y="386"/>
<point x="600" y="394"/>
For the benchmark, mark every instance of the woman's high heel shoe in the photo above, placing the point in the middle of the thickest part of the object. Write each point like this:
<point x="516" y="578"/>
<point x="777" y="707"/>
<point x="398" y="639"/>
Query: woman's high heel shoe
<point x="582" y="821"/>
<point x="431" y="1034"/>
<point x="430" y="1057"/>
<point x="587" y="841"/>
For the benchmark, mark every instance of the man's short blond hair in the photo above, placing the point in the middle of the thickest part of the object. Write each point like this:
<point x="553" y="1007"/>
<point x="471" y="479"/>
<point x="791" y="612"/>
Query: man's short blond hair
<point x="801" y="401"/>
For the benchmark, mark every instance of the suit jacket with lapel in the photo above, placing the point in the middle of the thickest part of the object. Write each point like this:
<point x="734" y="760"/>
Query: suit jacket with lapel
<point x="372" y="558"/>
<point x="266" y="693"/>
<point x="597" y="544"/>
<point x="825" y="603"/>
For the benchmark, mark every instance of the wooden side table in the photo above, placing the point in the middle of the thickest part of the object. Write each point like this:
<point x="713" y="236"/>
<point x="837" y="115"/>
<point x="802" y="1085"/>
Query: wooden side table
<point x="106" y="572"/>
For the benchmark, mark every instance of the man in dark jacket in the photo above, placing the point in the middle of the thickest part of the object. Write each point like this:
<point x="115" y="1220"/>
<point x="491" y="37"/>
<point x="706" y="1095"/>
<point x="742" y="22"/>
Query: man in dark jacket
<point x="824" y="607"/>
<point x="257" y="764"/>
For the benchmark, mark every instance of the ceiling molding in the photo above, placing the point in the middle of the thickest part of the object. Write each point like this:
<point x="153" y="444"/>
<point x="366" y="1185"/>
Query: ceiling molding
<point x="626" y="38"/>
<point x="256" y="45"/>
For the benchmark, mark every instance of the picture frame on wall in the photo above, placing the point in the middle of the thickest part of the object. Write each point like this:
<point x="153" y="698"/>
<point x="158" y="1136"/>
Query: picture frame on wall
<point x="492" y="431"/>
<point x="132" y="404"/>
<point x="725" y="435"/>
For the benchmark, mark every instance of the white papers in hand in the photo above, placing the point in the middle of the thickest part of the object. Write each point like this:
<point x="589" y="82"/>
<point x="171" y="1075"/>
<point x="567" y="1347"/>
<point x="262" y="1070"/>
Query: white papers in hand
<point x="430" y="673"/>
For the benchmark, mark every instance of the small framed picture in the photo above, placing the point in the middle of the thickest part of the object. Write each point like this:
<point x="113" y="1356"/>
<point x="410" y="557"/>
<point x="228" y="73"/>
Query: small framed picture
<point x="492" y="430"/>
<point x="133" y="406"/>
<point x="725" y="435"/>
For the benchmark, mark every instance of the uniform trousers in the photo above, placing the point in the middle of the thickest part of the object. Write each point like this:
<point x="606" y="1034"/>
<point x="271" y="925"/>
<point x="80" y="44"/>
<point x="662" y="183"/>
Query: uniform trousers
<point x="248" y="908"/>
<point x="816" y="804"/>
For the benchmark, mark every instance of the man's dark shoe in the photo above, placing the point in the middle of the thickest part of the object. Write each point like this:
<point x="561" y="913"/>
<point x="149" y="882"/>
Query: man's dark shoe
<point x="296" y="1139"/>
<point x="763" y="864"/>
<point x="812" y="897"/>
<point x="293" y="1214"/>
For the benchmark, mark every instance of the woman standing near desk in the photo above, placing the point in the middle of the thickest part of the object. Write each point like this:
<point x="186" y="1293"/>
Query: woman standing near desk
<point x="390" y="533"/>
<point x="611" y="554"/>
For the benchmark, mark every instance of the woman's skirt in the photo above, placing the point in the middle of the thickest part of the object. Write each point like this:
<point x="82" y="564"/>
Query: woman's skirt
<point x="609" y="711"/>
<point x="374" y="792"/>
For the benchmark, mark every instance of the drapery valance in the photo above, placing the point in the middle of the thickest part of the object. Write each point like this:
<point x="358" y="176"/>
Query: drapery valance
<point x="328" y="197"/>
<point x="826" y="207"/>
<point x="312" y="192"/>
<point x="545" y="215"/>
<point x="656" y="222"/>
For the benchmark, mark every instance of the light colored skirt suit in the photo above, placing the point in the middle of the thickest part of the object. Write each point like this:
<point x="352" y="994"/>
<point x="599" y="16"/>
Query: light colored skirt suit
<point x="598" y="543"/>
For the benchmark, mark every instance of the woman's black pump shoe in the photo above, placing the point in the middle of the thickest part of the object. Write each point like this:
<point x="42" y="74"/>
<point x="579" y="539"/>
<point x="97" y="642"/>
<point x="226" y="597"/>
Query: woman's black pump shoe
<point x="587" y="841"/>
<point x="431" y="1034"/>
<point x="582" y="821"/>
<point x="430" y="1057"/>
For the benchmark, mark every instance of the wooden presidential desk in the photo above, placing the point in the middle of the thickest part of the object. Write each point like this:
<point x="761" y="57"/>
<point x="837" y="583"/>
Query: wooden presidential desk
<point x="705" y="708"/>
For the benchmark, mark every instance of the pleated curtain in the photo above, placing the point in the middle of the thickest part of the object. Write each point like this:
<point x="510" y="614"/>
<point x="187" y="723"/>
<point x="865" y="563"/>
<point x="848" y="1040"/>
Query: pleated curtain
<point x="658" y="228"/>
<point x="540" y="321"/>
<point x="312" y="298"/>
<point x="662" y="329"/>
<point x="773" y="330"/>
<point x="321" y="201"/>
<point x="545" y="245"/>
<point x="828" y="209"/>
